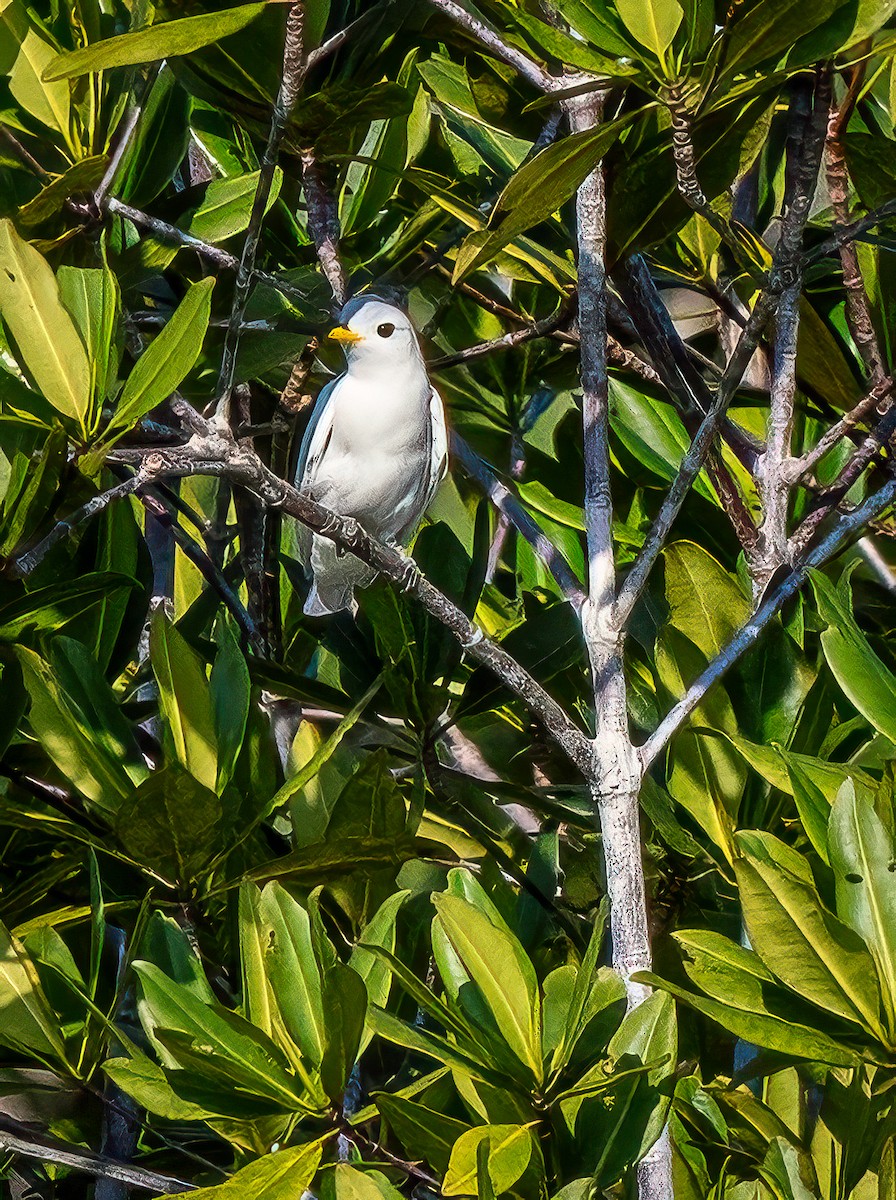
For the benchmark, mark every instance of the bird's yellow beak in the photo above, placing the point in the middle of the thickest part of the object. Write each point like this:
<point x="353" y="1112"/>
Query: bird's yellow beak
<point x="345" y="335"/>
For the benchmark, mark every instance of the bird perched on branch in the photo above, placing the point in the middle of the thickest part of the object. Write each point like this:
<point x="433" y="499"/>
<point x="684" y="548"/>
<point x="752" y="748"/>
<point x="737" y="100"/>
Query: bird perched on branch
<point x="376" y="448"/>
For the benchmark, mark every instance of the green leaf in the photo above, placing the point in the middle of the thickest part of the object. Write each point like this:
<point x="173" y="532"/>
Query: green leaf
<point x="866" y="680"/>
<point x="803" y="944"/>
<point x="29" y="1026"/>
<point x="93" y="298"/>
<point x="760" y="1028"/>
<point x="28" y="54"/>
<point x="145" y="1081"/>
<point x="537" y="190"/>
<point x="45" y="335"/>
<point x="424" y="1132"/>
<point x="652" y="23"/>
<point x="282" y="1175"/>
<point x="75" y="716"/>
<point x="184" y="700"/>
<point x="347" y="1183"/>
<point x="230" y="689"/>
<point x="168" y="40"/>
<point x="232" y="1048"/>
<point x="503" y="972"/>
<point x="53" y="607"/>
<point x="510" y="1150"/>
<point x="375" y="972"/>
<point x="862" y="858"/>
<point x="82" y="176"/>
<point x="293" y="970"/>
<point x="768" y="28"/>
<point x="171" y="824"/>
<point x="168" y="359"/>
<point x="227" y="206"/>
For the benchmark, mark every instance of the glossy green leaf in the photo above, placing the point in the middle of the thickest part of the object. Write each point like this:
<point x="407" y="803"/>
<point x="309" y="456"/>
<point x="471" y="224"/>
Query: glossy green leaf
<point x="49" y="344"/>
<point x="501" y="970"/>
<point x="168" y="359"/>
<point x="866" y="680"/>
<point x="166" y="40"/>
<point x="863" y="860"/>
<point x="185" y="700"/>
<point x="510" y="1149"/>
<point x="803" y="944"/>
<point x="652" y="23"/>
<point x="277" y="1176"/>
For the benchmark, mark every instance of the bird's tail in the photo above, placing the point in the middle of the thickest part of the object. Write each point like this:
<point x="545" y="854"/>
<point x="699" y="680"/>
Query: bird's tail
<point x="335" y="574"/>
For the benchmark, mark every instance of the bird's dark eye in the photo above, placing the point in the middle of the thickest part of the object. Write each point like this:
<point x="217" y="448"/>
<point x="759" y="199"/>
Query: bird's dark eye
<point x="386" y="329"/>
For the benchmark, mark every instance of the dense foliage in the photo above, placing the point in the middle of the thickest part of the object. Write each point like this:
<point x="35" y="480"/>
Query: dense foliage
<point x="289" y="903"/>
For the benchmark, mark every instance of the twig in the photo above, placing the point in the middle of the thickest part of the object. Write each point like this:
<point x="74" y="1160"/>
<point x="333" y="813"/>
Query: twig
<point x="92" y="1164"/>
<point x="538" y="329"/>
<point x="529" y="69"/>
<point x="293" y="75"/>
<point x="125" y="133"/>
<point x="207" y="569"/>
<point x="509" y="506"/>
<point x="768" y="609"/>
<point x="25" y="157"/>
<point x="323" y="225"/>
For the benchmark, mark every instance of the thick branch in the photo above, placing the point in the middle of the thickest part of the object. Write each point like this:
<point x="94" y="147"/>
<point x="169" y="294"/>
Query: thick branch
<point x="850" y="524"/>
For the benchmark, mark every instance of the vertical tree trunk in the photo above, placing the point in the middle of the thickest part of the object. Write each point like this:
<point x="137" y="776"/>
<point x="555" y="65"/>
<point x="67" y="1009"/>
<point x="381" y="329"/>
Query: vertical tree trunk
<point x="616" y="772"/>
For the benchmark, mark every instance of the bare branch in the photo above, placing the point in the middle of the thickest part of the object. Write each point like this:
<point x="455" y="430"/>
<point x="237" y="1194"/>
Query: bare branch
<point x="858" y="309"/>
<point x="26" y="563"/>
<point x="537" y="329"/>
<point x="850" y="233"/>
<point x="530" y="70"/>
<point x="216" y="454"/>
<point x="850" y="524"/>
<point x="323" y="225"/>
<point x="92" y="1164"/>
<point x="877" y="399"/>
<point x="805" y="144"/>
<point x="829" y="498"/>
<point x="294" y="70"/>
<point x="509" y="506"/>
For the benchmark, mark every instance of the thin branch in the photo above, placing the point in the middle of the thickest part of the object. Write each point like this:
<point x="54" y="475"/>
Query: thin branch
<point x="507" y="341"/>
<point x="125" y="131"/>
<point x="26" y="563"/>
<point x="328" y="48"/>
<point x="769" y="608"/>
<point x="323" y="225"/>
<point x="293" y="75"/>
<point x="510" y="507"/>
<point x="216" y="454"/>
<point x="207" y="569"/>
<point x="529" y="69"/>
<point x="805" y="145"/>
<point x="830" y="497"/>
<point x="849" y="233"/>
<point x="877" y="399"/>
<point x="688" y="387"/>
<point x="858" y="309"/>
<point x="92" y="1164"/>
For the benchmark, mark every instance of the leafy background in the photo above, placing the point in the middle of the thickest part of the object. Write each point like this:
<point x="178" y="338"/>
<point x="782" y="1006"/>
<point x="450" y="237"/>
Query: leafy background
<point x="289" y="904"/>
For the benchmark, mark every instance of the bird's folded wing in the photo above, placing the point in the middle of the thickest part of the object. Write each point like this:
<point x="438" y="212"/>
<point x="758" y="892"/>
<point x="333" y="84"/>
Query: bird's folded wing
<point x="438" y="467"/>
<point x="317" y="435"/>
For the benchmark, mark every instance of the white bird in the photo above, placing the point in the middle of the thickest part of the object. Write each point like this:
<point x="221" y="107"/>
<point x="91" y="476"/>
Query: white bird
<point x="376" y="448"/>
